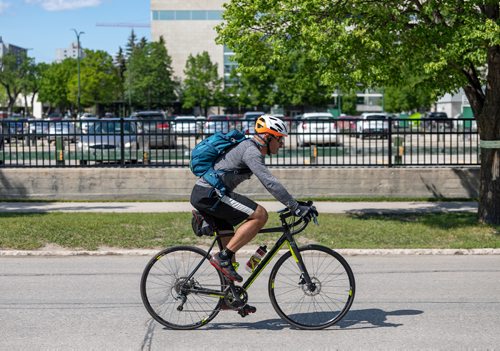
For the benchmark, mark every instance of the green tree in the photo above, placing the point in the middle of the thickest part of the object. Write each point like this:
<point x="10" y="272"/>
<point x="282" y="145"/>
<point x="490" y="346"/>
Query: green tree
<point x="12" y="73"/>
<point x="381" y="43"/>
<point x="31" y="82"/>
<point x="349" y="103"/>
<point x="202" y="84"/>
<point x="149" y="76"/>
<point x="3" y="96"/>
<point x="131" y="44"/>
<point x="121" y="65"/>
<point x="99" y="80"/>
<point x="149" y="82"/>
<point x="54" y="84"/>
<point x="409" y="96"/>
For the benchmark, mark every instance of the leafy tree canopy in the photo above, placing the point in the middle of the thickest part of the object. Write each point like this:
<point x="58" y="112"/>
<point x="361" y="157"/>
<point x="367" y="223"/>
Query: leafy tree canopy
<point x="148" y="78"/>
<point x="448" y="44"/>
<point x="99" y="80"/>
<point x="202" y="85"/>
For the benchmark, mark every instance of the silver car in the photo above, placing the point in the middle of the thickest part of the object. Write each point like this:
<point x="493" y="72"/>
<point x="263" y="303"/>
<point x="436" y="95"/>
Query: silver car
<point x="63" y="129"/>
<point x="217" y="123"/>
<point x="156" y="129"/>
<point x="103" y="142"/>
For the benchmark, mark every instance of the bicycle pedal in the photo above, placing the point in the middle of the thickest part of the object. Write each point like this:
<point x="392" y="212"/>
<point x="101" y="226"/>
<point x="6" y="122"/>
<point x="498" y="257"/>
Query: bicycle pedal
<point x="246" y="310"/>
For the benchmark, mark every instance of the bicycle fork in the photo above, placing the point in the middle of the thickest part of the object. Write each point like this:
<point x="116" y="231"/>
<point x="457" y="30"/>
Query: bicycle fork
<point x="305" y="278"/>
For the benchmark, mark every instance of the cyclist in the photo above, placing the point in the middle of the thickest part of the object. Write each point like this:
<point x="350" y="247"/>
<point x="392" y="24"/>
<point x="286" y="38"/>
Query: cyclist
<point x="232" y="209"/>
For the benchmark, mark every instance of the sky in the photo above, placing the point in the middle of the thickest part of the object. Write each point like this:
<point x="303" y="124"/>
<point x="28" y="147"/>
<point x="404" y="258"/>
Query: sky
<point x="42" y="26"/>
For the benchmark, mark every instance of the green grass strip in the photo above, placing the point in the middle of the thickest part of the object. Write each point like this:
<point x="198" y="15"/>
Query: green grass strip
<point x="90" y="231"/>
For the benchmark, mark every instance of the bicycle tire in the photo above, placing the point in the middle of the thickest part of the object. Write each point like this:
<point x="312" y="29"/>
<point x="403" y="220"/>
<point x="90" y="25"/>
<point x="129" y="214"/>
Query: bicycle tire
<point x="312" y="310"/>
<point x="162" y="279"/>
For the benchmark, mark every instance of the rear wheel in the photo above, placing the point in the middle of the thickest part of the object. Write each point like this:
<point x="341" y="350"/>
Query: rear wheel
<point x="168" y="293"/>
<point x="321" y="305"/>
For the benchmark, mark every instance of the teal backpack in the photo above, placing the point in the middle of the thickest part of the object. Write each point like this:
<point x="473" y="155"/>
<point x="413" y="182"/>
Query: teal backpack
<point x="205" y="154"/>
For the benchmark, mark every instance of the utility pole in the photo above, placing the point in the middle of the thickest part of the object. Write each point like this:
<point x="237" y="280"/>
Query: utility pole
<point x="78" y="65"/>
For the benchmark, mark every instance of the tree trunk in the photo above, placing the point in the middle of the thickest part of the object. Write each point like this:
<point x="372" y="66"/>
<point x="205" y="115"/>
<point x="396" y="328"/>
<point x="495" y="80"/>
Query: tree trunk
<point x="26" y="107"/>
<point x="489" y="131"/>
<point x="489" y="192"/>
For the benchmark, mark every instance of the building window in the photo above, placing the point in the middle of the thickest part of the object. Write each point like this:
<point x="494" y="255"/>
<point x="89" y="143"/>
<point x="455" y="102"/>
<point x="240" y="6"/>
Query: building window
<point x="185" y="15"/>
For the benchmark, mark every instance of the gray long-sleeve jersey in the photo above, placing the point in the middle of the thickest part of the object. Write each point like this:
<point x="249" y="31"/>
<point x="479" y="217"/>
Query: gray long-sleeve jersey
<point x="246" y="155"/>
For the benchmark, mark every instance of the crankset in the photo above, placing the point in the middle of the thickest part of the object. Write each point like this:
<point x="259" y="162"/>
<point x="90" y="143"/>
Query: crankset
<point x="236" y="297"/>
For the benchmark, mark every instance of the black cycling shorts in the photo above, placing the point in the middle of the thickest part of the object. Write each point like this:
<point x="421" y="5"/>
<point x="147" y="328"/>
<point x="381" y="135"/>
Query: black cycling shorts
<point x="231" y="209"/>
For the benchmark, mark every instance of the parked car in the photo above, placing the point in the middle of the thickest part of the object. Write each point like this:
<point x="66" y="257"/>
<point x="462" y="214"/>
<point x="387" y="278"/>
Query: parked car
<point x="187" y="125"/>
<point x="248" y="121"/>
<point x="437" y="119"/>
<point x="38" y="128"/>
<point x="14" y="129"/>
<point x="103" y="142"/>
<point x="156" y="129"/>
<point x="373" y="124"/>
<point x="462" y="124"/>
<point x="347" y="123"/>
<point x="64" y="129"/>
<point x="316" y="128"/>
<point x="217" y="123"/>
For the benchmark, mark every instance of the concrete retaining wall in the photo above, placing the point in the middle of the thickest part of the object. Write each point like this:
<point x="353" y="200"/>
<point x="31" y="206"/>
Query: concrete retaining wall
<point x="176" y="183"/>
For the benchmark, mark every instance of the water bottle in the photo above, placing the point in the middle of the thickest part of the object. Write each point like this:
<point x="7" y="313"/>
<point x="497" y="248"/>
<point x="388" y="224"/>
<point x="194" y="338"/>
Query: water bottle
<point x="256" y="258"/>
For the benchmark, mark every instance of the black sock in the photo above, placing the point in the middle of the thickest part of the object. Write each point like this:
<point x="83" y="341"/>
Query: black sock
<point x="226" y="254"/>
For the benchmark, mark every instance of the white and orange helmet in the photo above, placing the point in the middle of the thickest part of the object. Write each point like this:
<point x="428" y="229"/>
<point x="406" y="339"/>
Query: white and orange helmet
<point x="272" y="125"/>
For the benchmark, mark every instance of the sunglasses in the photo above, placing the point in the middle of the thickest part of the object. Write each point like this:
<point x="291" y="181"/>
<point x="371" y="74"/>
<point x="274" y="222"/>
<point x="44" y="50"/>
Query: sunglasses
<point x="280" y="139"/>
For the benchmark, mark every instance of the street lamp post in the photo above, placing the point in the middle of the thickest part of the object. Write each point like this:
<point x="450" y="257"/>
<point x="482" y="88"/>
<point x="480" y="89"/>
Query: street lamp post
<point x="78" y="65"/>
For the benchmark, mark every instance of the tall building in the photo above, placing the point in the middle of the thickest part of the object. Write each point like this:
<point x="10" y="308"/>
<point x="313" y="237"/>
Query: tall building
<point x="188" y="27"/>
<point x="18" y="51"/>
<point x="71" y="52"/>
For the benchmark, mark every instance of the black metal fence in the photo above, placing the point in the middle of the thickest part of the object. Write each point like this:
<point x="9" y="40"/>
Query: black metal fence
<point x="125" y="142"/>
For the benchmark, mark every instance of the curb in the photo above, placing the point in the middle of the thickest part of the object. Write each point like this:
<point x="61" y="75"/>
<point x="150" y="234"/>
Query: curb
<point x="346" y="252"/>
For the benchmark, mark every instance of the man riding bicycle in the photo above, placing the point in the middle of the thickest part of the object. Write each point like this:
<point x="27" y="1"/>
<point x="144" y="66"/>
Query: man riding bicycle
<point x="231" y="209"/>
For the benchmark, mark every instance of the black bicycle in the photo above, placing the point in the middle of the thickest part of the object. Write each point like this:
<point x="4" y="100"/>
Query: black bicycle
<point x="310" y="287"/>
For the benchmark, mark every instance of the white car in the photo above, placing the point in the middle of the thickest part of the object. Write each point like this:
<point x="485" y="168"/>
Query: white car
<point x="187" y="125"/>
<point x="373" y="124"/>
<point x="317" y="128"/>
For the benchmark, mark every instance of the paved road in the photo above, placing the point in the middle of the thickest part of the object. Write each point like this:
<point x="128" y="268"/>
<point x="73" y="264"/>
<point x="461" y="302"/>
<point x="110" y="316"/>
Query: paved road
<point x="402" y="302"/>
<point x="323" y="207"/>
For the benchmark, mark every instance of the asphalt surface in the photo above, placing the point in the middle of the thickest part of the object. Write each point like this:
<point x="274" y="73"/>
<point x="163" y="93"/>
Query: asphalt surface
<point x="401" y="303"/>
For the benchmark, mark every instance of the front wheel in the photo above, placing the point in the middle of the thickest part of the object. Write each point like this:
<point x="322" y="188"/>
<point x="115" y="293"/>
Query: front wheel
<point x="169" y="293"/>
<point x="319" y="306"/>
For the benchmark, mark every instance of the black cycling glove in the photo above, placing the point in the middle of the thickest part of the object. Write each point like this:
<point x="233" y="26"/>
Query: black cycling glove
<point x="306" y="211"/>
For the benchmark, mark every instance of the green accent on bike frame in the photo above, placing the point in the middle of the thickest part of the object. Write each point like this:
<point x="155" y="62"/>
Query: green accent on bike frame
<point x="260" y="270"/>
<point x="291" y="251"/>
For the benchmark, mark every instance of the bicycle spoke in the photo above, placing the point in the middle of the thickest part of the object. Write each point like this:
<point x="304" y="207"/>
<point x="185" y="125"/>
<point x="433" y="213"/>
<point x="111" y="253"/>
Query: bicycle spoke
<point x="165" y="286"/>
<point x="321" y="304"/>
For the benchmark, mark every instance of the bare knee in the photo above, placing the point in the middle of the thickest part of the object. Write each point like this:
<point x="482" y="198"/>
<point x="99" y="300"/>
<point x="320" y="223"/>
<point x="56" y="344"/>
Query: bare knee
<point x="260" y="214"/>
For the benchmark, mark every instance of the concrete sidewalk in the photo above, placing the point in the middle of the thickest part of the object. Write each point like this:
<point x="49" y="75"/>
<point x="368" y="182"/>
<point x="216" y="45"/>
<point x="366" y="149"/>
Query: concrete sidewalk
<point x="271" y="206"/>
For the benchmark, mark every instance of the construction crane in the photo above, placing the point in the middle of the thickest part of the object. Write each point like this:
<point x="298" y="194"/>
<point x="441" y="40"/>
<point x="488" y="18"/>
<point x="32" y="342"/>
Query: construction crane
<point x="123" y="24"/>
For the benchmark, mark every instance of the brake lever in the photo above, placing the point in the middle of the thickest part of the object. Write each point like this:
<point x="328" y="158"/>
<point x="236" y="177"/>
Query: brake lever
<point x="315" y="220"/>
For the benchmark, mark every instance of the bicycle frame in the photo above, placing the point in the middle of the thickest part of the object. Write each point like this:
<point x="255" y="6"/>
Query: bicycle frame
<point x="286" y="238"/>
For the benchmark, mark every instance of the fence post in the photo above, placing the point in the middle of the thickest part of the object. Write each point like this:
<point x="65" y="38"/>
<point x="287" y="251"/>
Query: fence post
<point x="59" y="150"/>
<point x="389" y="141"/>
<point x="399" y="146"/>
<point x="122" y="142"/>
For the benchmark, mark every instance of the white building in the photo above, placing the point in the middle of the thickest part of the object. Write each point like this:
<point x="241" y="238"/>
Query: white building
<point x="70" y="52"/>
<point x="455" y="104"/>
<point x="188" y="27"/>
